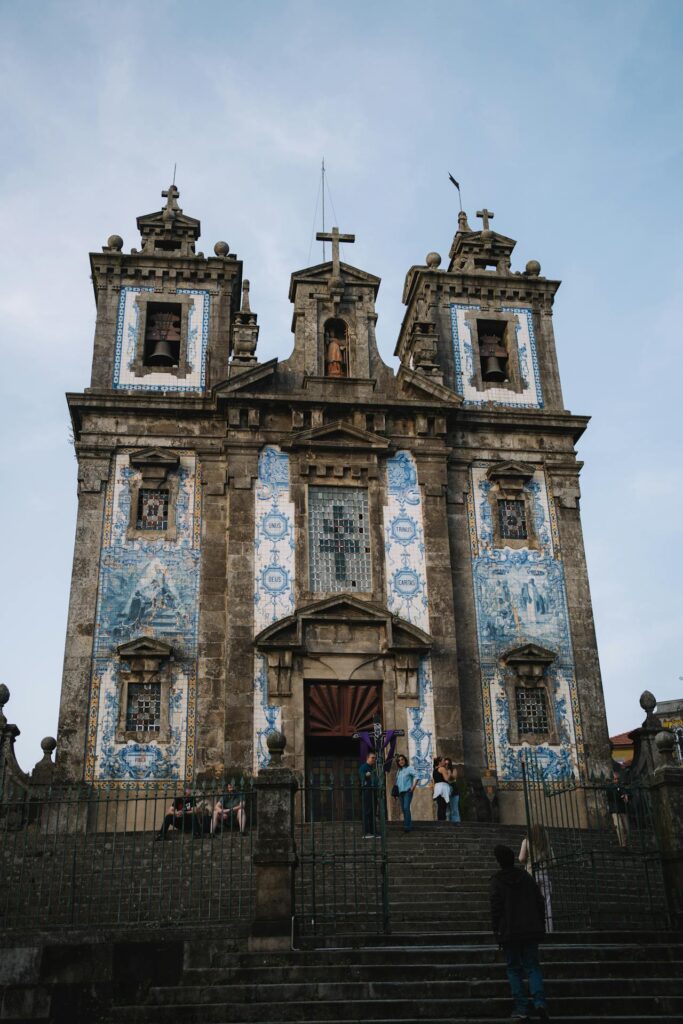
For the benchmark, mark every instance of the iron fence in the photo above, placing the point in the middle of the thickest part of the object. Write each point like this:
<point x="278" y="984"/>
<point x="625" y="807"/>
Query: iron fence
<point x="110" y="856"/>
<point x="342" y="880"/>
<point x="593" y="849"/>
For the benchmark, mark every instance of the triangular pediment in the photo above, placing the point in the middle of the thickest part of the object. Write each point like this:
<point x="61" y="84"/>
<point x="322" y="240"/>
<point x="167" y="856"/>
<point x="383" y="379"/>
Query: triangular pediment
<point x="157" y="222"/>
<point x="144" y="647"/>
<point x="343" y="608"/>
<point x="246" y="379"/>
<point x="322" y="273"/>
<point x="339" y="435"/>
<point x="417" y="385"/>
<point x="154" y="457"/>
<point x="510" y="470"/>
<point x="529" y="653"/>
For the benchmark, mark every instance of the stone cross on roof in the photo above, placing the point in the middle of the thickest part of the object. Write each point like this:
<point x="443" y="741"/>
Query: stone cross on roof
<point x="171" y="195"/>
<point x="485" y="215"/>
<point x="334" y="237"/>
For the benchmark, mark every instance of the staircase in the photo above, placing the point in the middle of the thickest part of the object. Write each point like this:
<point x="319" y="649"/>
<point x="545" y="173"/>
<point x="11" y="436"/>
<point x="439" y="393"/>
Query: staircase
<point x="439" y="963"/>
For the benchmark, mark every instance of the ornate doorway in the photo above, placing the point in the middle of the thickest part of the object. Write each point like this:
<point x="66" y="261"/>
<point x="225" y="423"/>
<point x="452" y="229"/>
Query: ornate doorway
<point x="334" y="711"/>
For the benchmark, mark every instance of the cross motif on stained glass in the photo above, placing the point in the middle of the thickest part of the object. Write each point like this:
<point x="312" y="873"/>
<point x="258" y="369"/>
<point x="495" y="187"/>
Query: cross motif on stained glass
<point x="339" y="540"/>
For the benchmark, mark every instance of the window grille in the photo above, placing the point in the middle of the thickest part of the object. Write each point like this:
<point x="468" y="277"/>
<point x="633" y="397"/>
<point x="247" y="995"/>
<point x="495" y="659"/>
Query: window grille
<point x="532" y="710"/>
<point x="152" y="510"/>
<point x="143" y="710"/>
<point x="512" y="519"/>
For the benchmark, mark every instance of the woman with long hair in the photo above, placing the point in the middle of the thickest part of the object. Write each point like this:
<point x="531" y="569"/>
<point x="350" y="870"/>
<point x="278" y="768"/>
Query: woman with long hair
<point x="406" y="781"/>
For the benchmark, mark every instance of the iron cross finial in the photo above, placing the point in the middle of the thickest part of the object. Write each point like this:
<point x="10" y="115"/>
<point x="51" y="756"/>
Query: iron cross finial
<point x="334" y="237"/>
<point x="486" y="216"/>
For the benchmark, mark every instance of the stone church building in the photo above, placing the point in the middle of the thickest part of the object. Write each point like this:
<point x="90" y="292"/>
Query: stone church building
<point x="304" y="543"/>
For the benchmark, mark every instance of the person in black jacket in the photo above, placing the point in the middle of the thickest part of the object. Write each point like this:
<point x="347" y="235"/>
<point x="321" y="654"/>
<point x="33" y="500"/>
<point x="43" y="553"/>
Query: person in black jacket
<point x="518" y="920"/>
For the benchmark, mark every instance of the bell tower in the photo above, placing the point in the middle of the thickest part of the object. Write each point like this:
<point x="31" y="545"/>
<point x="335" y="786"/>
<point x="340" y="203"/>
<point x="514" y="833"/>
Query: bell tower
<point x="334" y="322"/>
<point x="527" y="651"/>
<point x="164" y="310"/>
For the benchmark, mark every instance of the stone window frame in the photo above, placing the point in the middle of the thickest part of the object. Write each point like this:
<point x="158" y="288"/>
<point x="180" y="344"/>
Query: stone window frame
<point x="515" y="381"/>
<point x="509" y="482"/>
<point x="527" y="666"/>
<point x="158" y="471"/>
<point x="145" y="661"/>
<point x="143" y="301"/>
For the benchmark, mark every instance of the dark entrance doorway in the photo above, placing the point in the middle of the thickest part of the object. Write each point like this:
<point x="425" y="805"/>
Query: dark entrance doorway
<point x="334" y="712"/>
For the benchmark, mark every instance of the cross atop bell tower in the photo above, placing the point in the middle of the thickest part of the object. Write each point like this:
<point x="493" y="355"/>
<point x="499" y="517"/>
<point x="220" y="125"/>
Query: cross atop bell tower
<point x="169" y="230"/>
<point x="335" y="238"/>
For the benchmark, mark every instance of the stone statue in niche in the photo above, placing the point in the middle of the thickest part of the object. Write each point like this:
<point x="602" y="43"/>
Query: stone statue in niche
<point x="336" y="349"/>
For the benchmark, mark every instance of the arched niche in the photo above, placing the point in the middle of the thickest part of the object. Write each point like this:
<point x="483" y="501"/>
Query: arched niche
<point x="336" y="340"/>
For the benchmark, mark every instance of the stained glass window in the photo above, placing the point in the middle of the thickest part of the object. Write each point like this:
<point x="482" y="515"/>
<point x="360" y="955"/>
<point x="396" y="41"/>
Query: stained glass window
<point x="512" y="519"/>
<point x="143" y="711"/>
<point x="339" y="539"/>
<point x="152" y="510"/>
<point x="532" y="710"/>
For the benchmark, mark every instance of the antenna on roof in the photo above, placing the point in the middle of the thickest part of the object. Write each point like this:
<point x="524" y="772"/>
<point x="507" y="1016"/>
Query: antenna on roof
<point x="323" y="190"/>
<point x="174" y="167"/>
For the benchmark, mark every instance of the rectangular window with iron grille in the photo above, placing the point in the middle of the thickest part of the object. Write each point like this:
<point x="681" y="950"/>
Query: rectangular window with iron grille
<point x="512" y="519"/>
<point x="152" y="510"/>
<point x="143" y="710"/>
<point x="532" y="710"/>
<point x="339" y="539"/>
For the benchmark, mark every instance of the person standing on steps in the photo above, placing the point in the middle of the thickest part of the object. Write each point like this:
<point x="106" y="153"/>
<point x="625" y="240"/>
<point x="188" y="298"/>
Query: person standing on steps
<point x="442" y="787"/>
<point x="369" y="789"/>
<point x="453" y="810"/>
<point x="406" y="781"/>
<point x="518" y="922"/>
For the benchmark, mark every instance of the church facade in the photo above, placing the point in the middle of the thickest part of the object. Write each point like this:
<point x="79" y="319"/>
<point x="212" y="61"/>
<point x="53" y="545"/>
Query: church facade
<point x="307" y="543"/>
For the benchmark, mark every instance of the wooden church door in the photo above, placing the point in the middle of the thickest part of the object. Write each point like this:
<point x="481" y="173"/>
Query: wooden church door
<point x="334" y="712"/>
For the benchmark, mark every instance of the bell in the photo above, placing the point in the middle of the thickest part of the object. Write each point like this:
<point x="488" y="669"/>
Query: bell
<point x="161" y="354"/>
<point x="163" y="328"/>
<point x="493" y="369"/>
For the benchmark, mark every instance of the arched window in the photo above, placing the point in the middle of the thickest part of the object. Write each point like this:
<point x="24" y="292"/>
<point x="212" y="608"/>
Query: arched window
<point x="336" y="349"/>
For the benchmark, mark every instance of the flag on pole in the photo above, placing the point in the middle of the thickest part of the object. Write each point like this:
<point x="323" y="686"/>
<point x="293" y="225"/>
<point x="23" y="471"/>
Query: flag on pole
<point x="454" y="182"/>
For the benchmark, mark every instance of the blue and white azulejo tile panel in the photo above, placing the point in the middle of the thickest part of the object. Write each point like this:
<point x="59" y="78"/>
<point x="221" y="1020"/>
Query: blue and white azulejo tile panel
<point x="128" y="340"/>
<point x="406" y="579"/>
<point x="147" y="587"/>
<point x="404" y="543"/>
<point x="520" y="597"/>
<point x="274" y="574"/>
<point x="531" y="395"/>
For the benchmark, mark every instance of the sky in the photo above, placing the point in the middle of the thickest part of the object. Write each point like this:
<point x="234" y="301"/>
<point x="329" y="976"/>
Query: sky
<point x="563" y="118"/>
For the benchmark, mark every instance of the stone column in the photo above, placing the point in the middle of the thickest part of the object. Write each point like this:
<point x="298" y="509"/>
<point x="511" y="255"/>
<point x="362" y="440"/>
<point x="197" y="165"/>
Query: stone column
<point x="274" y="856"/>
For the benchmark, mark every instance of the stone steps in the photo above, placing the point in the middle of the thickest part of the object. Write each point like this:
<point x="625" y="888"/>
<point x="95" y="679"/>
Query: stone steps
<point x="460" y="979"/>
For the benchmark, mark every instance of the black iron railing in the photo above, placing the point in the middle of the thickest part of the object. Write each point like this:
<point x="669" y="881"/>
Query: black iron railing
<point x="96" y="856"/>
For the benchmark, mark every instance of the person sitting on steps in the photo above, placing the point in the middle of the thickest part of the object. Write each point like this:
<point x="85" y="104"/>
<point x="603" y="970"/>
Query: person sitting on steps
<point x="230" y="808"/>
<point x="183" y="816"/>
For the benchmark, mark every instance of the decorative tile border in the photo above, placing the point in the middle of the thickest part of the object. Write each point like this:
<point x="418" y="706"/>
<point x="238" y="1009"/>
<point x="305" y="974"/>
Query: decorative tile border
<point x="520" y="596"/>
<point x="532" y="395"/>
<point x="127" y="327"/>
<point x="274" y="575"/>
<point x="146" y="588"/>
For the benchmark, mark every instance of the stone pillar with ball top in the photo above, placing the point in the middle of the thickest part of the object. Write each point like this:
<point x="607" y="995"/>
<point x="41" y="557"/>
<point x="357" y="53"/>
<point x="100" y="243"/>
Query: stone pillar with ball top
<point x="274" y="856"/>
